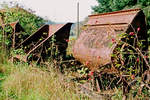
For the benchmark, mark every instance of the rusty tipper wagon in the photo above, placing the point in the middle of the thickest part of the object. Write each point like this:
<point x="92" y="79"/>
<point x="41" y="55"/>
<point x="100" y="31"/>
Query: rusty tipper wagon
<point x="104" y="38"/>
<point x="38" y="46"/>
<point x="92" y="48"/>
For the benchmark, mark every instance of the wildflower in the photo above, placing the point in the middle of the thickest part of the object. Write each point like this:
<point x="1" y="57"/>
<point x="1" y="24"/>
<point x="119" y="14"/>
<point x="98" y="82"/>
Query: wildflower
<point x="113" y="40"/>
<point x="67" y="40"/>
<point x="131" y="33"/>
<point x="145" y="56"/>
<point x="138" y="29"/>
<point x="133" y="77"/>
<point x="87" y="62"/>
<point x="99" y="75"/>
<point x="137" y="59"/>
<point x="98" y="89"/>
<point x="90" y="79"/>
<point x="91" y="73"/>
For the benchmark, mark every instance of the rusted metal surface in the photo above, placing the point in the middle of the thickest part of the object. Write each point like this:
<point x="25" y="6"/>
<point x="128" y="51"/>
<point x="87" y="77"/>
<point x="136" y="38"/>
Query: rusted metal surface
<point x="42" y="32"/>
<point x="17" y="35"/>
<point x="115" y="18"/>
<point x="38" y="43"/>
<point x="93" y="49"/>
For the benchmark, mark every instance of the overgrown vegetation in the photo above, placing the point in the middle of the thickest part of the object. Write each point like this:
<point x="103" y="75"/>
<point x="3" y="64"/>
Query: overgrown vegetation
<point x="129" y="58"/>
<point x="12" y="12"/>
<point x="24" y="82"/>
<point x="21" y="81"/>
<point x="53" y="79"/>
<point x="133" y="64"/>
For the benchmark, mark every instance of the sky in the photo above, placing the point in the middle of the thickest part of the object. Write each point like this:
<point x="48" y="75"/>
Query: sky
<point x="59" y="10"/>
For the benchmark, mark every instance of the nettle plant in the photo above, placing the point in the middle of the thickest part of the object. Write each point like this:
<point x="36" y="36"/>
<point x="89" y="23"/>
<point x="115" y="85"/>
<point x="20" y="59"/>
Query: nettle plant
<point x="129" y="56"/>
<point x="53" y="48"/>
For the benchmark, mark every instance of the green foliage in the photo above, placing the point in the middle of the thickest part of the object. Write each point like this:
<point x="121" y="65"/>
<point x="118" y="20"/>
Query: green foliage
<point x="10" y="13"/>
<point x="115" y="5"/>
<point x="104" y="6"/>
<point x="137" y="93"/>
<point x="28" y="21"/>
<point x="32" y="83"/>
<point x="19" y="51"/>
<point x="112" y="5"/>
<point x="129" y="59"/>
<point x="83" y="71"/>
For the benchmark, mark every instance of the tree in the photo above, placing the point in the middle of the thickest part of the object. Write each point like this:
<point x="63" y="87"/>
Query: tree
<point x="104" y="6"/>
<point x="28" y="21"/>
<point x="13" y="12"/>
<point x="26" y="18"/>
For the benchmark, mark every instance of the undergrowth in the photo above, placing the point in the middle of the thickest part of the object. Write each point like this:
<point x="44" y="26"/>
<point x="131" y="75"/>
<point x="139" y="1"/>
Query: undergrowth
<point x="24" y="82"/>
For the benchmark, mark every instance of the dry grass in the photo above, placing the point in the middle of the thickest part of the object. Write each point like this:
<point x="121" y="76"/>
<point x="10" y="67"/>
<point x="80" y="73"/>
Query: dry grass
<point x="70" y="45"/>
<point x="32" y="83"/>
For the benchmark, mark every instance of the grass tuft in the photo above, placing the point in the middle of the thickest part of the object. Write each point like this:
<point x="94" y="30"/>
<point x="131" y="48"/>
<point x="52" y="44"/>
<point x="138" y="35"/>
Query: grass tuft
<point x="32" y="83"/>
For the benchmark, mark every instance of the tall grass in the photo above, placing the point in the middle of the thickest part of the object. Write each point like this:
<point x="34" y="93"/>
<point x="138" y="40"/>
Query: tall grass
<point x="32" y="83"/>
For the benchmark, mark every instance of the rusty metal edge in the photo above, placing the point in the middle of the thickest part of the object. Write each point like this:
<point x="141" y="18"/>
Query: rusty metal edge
<point x="115" y="12"/>
<point x="105" y="24"/>
<point x="15" y="23"/>
<point x="47" y="38"/>
<point x="30" y="36"/>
